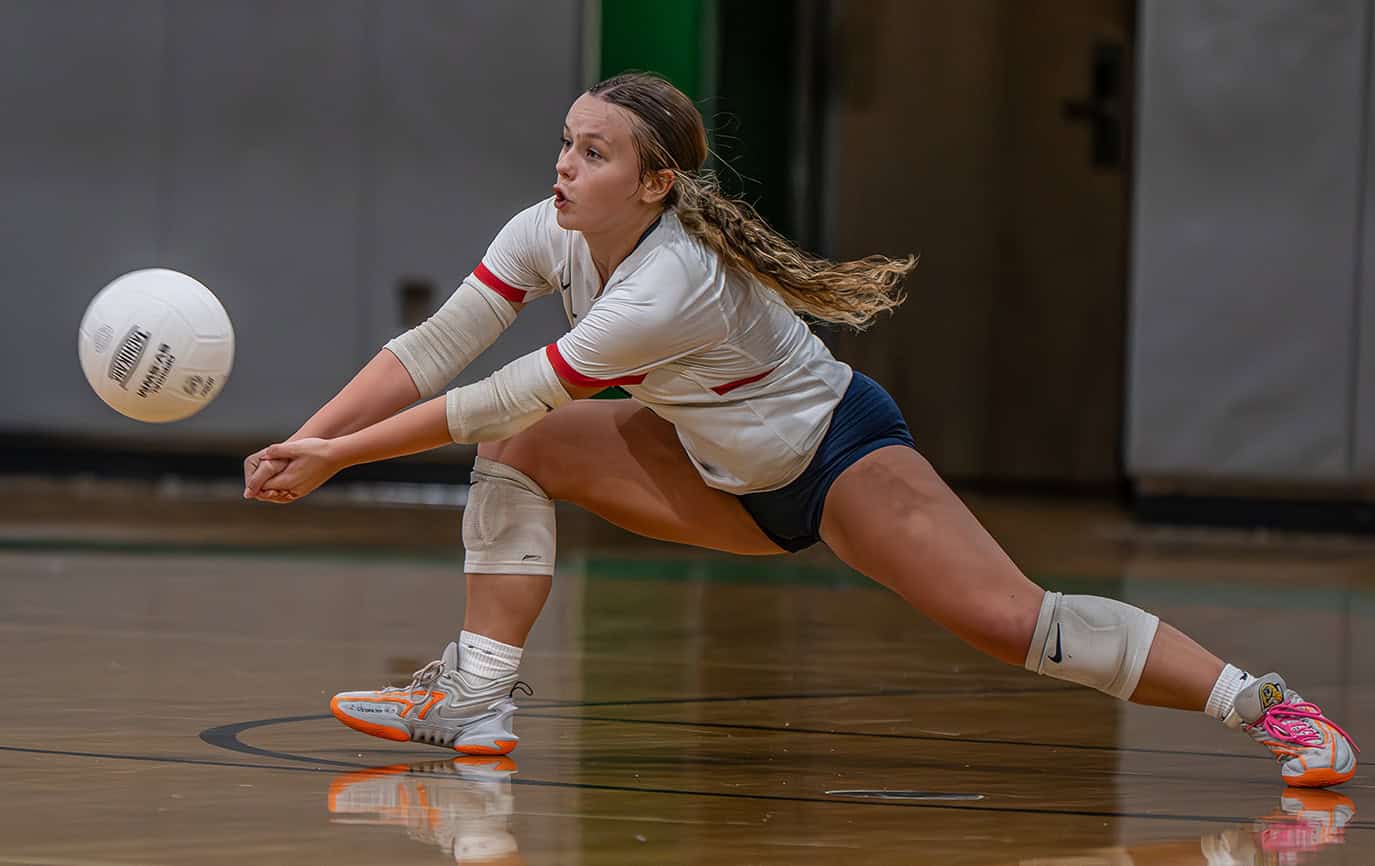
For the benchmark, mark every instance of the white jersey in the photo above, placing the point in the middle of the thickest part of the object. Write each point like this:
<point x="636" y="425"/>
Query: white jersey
<point x="748" y="386"/>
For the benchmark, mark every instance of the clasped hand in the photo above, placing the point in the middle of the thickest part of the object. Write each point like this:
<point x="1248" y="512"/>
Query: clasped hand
<point x="288" y="471"/>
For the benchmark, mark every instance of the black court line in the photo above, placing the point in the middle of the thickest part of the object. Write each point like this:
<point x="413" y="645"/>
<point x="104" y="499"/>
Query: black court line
<point x="817" y="696"/>
<point x="1016" y="810"/>
<point x="166" y="759"/>
<point x="927" y="763"/>
<point x="227" y="737"/>
<point x="627" y="789"/>
<point x="934" y="738"/>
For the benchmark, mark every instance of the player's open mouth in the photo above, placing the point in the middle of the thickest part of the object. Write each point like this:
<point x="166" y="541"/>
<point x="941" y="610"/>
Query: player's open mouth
<point x="559" y="198"/>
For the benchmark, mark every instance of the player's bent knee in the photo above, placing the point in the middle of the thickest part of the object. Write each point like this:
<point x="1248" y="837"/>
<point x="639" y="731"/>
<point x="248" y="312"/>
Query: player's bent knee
<point x="1096" y="642"/>
<point x="514" y="451"/>
<point x="508" y="523"/>
<point x="521" y="452"/>
<point x="491" y="450"/>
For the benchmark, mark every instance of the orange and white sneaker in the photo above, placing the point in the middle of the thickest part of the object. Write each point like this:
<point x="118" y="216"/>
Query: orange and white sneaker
<point x="442" y="706"/>
<point x="1312" y="750"/>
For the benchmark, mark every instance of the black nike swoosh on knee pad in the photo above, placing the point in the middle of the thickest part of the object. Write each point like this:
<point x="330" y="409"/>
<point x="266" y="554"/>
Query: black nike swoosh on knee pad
<point x="1057" y="657"/>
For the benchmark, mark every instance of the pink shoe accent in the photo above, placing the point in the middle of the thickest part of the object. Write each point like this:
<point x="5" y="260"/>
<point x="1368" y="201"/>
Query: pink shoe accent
<point x="1292" y="722"/>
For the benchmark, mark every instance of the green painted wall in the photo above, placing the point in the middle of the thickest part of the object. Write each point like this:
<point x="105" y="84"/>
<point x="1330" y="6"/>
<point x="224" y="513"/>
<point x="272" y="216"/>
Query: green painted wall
<point x="663" y="36"/>
<point x="735" y="59"/>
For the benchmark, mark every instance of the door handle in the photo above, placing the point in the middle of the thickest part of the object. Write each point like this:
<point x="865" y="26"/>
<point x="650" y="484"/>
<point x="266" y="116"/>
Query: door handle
<point x="1102" y="110"/>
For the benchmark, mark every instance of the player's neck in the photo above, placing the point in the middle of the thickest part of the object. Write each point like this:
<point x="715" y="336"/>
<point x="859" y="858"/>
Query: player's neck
<point x="613" y="246"/>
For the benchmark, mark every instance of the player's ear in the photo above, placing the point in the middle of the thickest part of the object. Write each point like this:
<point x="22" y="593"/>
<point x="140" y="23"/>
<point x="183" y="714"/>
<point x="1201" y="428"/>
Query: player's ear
<point x="656" y="185"/>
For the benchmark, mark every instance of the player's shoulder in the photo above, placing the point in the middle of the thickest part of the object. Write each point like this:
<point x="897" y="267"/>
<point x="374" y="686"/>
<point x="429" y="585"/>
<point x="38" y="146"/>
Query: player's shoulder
<point x="673" y="287"/>
<point x="526" y="252"/>
<point x="539" y="220"/>
<point x="677" y="263"/>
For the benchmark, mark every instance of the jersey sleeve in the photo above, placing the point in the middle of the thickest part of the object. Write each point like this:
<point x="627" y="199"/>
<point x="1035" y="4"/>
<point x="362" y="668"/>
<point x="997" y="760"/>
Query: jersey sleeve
<point x="657" y="316"/>
<point x="520" y="265"/>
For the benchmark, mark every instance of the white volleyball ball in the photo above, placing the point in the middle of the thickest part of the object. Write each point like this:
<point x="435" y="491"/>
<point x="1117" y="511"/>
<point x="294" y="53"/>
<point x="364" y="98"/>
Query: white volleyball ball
<point x="156" y="345"/>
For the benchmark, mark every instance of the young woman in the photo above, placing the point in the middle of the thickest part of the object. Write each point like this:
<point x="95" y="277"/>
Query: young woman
<point x="745" y="435"/>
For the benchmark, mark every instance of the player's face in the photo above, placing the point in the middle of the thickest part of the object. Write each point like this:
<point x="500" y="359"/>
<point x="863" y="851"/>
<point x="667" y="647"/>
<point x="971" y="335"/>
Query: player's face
<point x="598" y="186"/>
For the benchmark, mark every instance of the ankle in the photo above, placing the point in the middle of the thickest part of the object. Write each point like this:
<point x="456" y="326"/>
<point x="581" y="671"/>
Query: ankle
<point x="1222" y="699"/>
<point x="491" y="660"/>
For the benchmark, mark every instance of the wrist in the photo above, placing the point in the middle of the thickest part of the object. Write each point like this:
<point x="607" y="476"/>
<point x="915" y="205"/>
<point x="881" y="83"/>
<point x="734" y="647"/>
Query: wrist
<point x="340" y="452"/>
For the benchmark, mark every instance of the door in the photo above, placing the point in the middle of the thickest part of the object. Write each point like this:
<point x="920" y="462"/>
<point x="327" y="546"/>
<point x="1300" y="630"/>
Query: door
<point x="992" y="138"/>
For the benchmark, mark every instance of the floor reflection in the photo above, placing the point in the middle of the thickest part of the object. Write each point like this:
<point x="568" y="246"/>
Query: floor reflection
<point x="461" y="805"/>
<point x="1305" y="822"/>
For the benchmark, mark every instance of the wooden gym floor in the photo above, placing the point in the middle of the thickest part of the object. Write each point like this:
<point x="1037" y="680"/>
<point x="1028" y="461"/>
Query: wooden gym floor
<point x="167" y="654"/>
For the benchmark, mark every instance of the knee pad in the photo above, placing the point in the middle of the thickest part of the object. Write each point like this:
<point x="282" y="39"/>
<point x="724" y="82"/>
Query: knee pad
<point x="508" y="523"/>
<point x="1096" y="642"/>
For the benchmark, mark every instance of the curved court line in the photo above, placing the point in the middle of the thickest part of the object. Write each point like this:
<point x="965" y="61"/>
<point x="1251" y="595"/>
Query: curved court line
<point x="227" y="737"/>
<point x="222" y="735"/>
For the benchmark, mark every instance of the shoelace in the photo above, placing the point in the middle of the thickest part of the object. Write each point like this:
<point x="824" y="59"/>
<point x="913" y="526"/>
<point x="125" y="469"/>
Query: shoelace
<point x="423" y="677"/>
<point x="1292" y="722"/>
<point x="435" y="669"/>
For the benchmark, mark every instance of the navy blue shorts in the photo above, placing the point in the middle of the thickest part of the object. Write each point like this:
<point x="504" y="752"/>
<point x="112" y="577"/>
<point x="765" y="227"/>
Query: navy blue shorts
<point x="864" y="420"/>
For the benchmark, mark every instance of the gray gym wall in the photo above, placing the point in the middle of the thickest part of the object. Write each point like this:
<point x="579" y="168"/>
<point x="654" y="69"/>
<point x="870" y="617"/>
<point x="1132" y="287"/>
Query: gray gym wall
<point x="301" y="159"/>
<point x="1252" y="341"/>
<point x="304" y="159"/>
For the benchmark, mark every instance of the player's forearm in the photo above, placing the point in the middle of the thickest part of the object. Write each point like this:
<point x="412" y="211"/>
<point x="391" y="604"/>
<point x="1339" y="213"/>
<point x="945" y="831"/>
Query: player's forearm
<point x="438" y="349"/>
<point x="380" y="390"/>
<point x="419" y="428"/>
<point x="511" y="399"/>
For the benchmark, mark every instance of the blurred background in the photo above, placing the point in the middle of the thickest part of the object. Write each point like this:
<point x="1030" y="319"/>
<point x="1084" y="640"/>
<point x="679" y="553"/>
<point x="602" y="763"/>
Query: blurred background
<point x="1145" y="309"/>
<point x="1142" y="223"/>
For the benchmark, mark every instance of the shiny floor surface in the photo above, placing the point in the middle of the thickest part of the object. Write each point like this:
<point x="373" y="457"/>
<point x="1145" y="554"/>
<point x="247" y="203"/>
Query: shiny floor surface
<point x="166" y="660"/>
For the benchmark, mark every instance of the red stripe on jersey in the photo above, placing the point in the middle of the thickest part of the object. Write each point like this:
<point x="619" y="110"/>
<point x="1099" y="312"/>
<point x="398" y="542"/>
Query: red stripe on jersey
<point x="573" y="377"/>
<point x="731" y="386"/>
<point x="493" y="282"/>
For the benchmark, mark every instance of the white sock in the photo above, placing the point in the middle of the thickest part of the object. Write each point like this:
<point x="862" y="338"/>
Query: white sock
<point x="484" y="657"/>
<point x="1230" y="682"/>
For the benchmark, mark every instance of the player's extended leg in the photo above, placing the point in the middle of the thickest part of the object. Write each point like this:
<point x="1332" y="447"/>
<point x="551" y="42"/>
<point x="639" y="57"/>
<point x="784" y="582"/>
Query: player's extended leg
<point x="613" y="458"/>
<point x="891" y="517"/>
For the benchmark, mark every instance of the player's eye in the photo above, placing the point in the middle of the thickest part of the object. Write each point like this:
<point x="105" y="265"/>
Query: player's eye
<point x="592" y="154"/>
<point x="564" y="142"/>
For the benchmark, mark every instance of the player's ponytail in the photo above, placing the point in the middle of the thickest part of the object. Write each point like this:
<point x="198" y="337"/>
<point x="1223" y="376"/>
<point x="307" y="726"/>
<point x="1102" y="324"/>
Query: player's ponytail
<point x="669" y="134"/>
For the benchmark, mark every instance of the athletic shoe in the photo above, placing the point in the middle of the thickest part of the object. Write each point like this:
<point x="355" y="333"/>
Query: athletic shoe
<point x="461" y="806"/>
<point x="442" y="706"/>
<point x="1312" y="750"/>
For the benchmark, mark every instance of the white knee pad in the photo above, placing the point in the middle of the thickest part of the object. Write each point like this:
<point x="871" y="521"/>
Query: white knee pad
<point x="508" y="524"/>
<point x="1093" y="641"/>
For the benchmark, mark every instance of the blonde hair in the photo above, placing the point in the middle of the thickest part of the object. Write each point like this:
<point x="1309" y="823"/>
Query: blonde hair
<point x="669" y="135"/>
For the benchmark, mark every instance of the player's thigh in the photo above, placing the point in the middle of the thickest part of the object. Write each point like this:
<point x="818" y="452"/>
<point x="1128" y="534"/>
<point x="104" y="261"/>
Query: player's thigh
<point x="892" y="518"/>
<point x="622" y="462"/>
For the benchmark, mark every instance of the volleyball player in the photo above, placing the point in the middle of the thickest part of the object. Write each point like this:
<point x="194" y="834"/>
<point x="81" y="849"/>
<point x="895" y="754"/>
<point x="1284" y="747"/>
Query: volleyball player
<point x="744" y="435"/>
